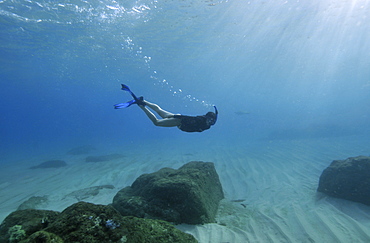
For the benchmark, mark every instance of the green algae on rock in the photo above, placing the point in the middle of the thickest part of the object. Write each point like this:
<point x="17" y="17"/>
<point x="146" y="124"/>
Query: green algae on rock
<point x="29" y="220"/>
<point x="43" y="237"/>
<point x="87" y="222"/>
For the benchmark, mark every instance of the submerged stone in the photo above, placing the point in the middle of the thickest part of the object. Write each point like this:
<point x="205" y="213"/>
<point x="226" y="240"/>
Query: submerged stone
<point x="90" y="223"/>
<point x="88" y="192"/>
<point x="86" y="223"/>
<point x="35" y="202"/>
<point x="50" y="164"/>
<point x="16" y="233"/>
<point x="189" y="195"/>
<point x="154" y="231"/>
<point x="43" y="237"/>
<point x="347" y="179"/>
<point x="25" y="222"/>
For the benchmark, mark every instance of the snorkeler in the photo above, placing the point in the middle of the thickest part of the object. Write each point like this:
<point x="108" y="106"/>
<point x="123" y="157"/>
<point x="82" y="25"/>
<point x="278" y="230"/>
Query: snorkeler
<point x="184" y="123"/>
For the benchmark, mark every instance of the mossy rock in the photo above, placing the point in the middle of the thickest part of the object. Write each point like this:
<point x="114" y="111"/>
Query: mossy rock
<point x="189" y="195"/>
<point x="150" y="230"/>
<point x="43" y="237"/>
<point x="89" y="223"/>
<point x="28" y="220"/>
<point x="16" y="233"/>
<point x="86" y="222"/>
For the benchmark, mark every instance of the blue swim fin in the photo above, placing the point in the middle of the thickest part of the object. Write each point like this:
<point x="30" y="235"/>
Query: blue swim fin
<point x="139" y="100"/>
<point x="125" y="88"/>
<point x="124" y="105"/>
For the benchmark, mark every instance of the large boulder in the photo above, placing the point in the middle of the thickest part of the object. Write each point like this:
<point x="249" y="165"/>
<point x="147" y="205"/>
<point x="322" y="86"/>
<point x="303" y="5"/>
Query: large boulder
<point x="87" y="223"/>
<point x="347" y="179"/>
<point x="189" y="195"/>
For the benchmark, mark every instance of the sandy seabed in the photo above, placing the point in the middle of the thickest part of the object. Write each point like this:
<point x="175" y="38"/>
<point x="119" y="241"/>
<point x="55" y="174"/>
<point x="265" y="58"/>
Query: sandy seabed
<point x="270" y="186"/>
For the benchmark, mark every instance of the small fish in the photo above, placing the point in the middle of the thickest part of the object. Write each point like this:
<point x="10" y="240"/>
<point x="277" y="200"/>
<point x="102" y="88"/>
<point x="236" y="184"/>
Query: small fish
<point x="238" y="200"/>
<point x="241" y="113"/>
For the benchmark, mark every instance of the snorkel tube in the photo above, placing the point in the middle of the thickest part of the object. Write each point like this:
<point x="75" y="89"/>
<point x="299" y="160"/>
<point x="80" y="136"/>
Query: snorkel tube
<point x="216" y="112"/>
<point x="211" y="117"/>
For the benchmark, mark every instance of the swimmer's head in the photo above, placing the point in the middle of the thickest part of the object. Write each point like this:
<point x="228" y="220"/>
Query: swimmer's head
<point x="211" y="117"/>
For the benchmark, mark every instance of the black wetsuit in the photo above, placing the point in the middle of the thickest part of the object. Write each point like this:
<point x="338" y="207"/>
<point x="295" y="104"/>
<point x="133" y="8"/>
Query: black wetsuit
<point x="192" y="123"/>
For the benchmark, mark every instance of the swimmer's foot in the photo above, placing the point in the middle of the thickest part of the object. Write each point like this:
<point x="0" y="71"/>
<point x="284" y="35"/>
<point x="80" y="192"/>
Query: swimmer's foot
<point x="140" y="101"/>
<point x="124" y="105"/>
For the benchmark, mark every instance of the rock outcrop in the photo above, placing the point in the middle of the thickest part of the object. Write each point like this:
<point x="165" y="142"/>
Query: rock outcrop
<point x="189" y="195"/>
<point x="22" y="223"/>
<point x="347" y="179"/>
<point x="86" y="223"/>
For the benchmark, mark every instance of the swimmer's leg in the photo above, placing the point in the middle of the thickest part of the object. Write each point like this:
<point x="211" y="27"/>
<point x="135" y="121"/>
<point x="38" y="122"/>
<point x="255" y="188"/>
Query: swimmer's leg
<point x="162" y="113"/>
<point x="165" y="122"/>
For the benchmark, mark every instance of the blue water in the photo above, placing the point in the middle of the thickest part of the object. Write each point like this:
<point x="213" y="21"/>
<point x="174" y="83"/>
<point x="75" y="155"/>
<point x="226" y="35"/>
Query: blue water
<point x="275" y="70"/>
<point x="291" y="81"/>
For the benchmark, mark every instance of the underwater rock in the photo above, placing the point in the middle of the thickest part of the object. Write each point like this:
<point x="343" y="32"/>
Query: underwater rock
<point x="22" y="223"/>
<point x="347" y="179"/>
<point x="43" y="237"/>
<point x="16" y="233"/>
<point x="189" y="195"/>
<point x="50" y="164"/>
<point x="103" y="158"/>
<point x="88" y="192"/>
<point x="81" y="150"/>
<point x="35" y="202"/>
<point x="89" y="223"/>
<point x="86" y="223"/>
